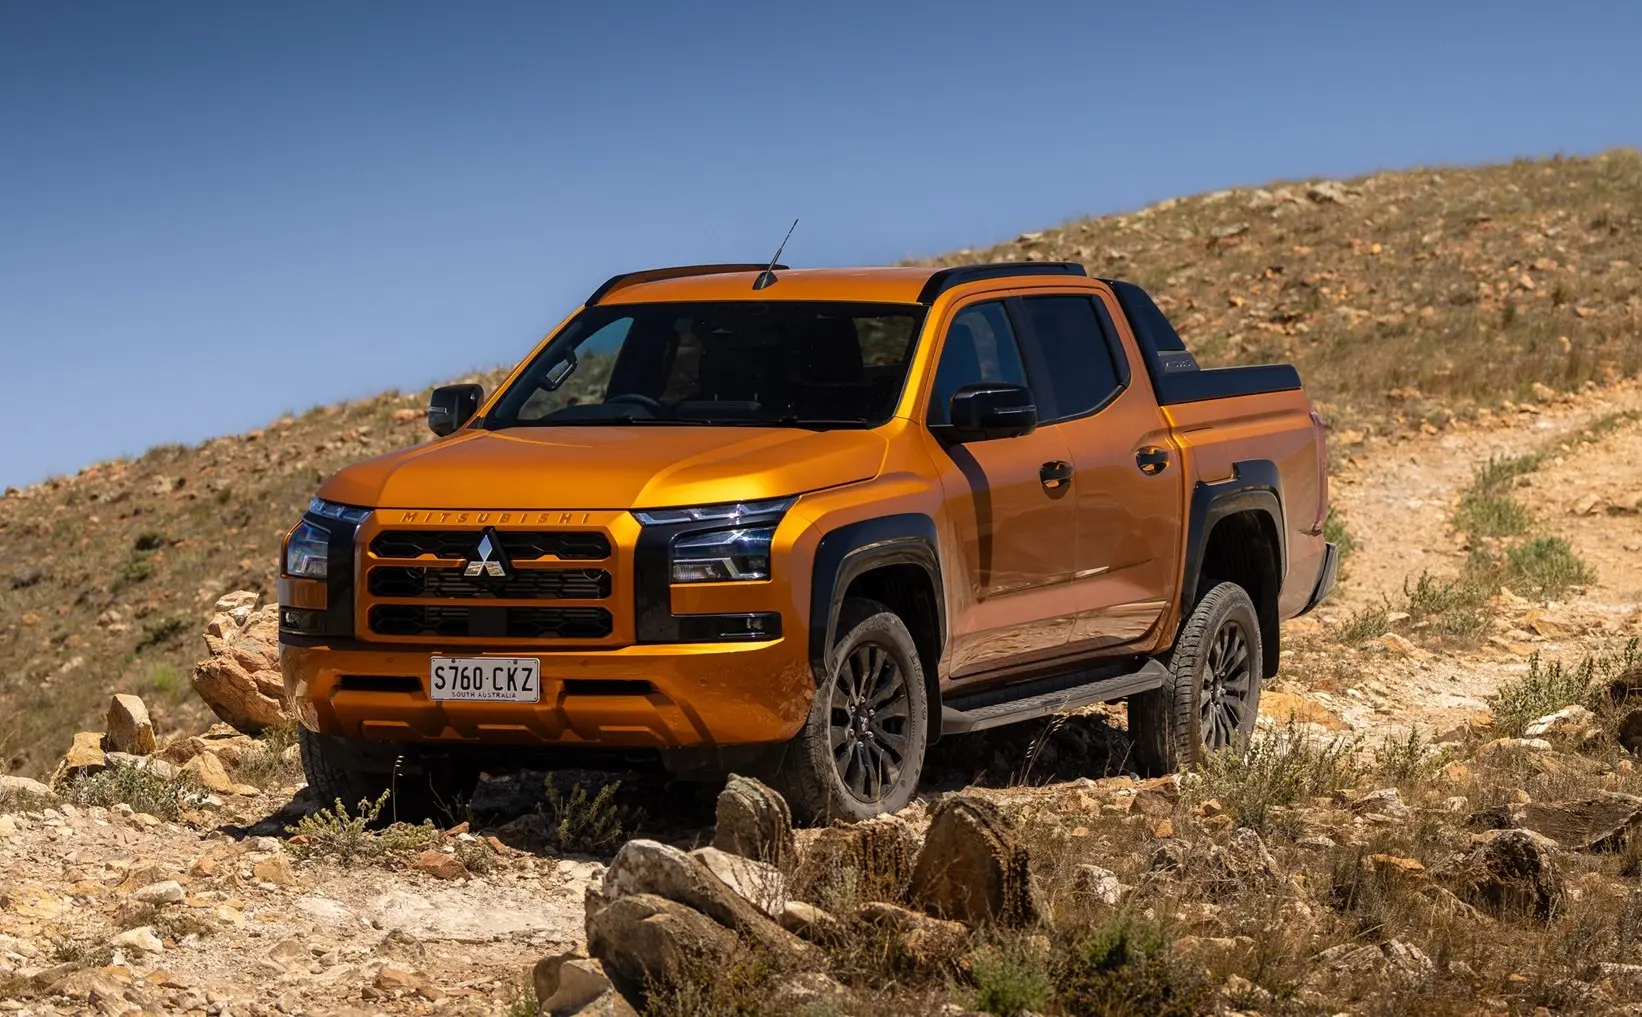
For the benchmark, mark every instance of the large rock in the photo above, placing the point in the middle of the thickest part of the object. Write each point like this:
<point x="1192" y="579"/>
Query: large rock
<point x="85" y="756"/>
<point x="22" y="789"/>
<point x="240" y="680"/>
<point x="207" y="771"/>
<point x="1603" y="822"/>
<point x="973" y="866"/>
<point x="643" y="939"/>
<point x="222" y="740"/>
<point x="1630" y="732"/>
<point x="918" y="942"/>
<point x="128" y="727"/>
<point x="650" y="867"/>
<point x="808" y="922"/>
<point x="568" y="982"/>
<point x="758" y="883"/>
<point x="753" y="821"/>
<point x="873" y="859"/>
<point x="1511" y="872"/>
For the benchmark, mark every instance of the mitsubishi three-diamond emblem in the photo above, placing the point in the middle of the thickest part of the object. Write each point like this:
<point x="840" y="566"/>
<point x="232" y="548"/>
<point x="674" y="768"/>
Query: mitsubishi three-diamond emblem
<point x="491" y="562"/>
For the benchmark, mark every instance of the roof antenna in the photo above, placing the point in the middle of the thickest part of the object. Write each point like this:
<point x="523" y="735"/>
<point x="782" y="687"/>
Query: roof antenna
<point x="766" y="278"/>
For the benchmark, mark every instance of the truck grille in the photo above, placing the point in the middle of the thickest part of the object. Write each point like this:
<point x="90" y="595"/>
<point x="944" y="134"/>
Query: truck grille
<point x="451" y="584"/>
<point x="490" y="622"/>
<point x="557" y="586"/>
<point x="464" y="544"/>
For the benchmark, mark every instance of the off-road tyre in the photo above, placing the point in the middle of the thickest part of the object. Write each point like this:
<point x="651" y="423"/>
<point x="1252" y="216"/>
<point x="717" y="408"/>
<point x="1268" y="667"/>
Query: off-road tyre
<point x="875" y="661"/>
<point x="1177" y="725"/>
<point x="354" y="770"/>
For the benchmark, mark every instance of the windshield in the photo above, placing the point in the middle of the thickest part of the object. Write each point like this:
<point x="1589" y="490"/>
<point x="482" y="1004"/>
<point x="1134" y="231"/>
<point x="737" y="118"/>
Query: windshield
<point x="771" y="364"/>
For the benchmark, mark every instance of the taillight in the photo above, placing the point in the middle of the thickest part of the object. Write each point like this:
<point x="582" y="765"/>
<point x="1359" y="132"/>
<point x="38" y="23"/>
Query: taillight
<point x="1320" y="436"/>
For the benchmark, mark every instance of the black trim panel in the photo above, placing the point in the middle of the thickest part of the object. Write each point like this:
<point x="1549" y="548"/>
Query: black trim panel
<point x="1256" y="486"/>
<point x="337" y="618"/>
<point x="947" y="278"/>
<point x="676" y="272"/>
<point x="1032" y="700"/>
<point x="1325" y="578"/>
<point x="1176" y="378"/>
<point x="653" y="617"/>
<point x="850" y="551"/>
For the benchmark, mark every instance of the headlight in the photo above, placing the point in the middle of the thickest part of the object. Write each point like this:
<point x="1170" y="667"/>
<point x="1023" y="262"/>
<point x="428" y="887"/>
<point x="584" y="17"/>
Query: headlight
<point x="307" y="552"/>
<point x="332" y="510"/>
<point x="722" y="555"/>
<point x="737" y="551"/>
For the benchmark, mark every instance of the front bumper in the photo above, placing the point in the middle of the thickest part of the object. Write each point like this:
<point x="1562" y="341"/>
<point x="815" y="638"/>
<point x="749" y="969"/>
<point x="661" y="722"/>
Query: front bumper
<point x="634" y="697"/>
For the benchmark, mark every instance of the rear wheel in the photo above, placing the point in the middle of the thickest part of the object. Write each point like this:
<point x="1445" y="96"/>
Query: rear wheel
<point x="1211" y="698"/>
<point x="861" y="750"/>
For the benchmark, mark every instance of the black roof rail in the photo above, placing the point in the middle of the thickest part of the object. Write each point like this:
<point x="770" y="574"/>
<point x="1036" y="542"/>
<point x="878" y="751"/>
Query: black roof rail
<point x="677" y="272"/>
<point x="947" y="278"/>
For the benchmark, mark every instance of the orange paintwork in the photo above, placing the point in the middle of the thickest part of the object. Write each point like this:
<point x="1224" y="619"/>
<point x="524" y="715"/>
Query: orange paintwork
<point x="1030" y="574"/>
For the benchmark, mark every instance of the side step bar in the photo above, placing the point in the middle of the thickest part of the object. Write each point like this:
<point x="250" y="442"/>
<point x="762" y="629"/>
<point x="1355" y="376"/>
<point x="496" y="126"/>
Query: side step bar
<point x="1030" y="705"/>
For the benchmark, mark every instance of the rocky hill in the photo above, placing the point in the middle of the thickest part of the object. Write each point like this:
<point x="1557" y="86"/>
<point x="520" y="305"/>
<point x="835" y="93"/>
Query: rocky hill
<point x="1409" y="300"/>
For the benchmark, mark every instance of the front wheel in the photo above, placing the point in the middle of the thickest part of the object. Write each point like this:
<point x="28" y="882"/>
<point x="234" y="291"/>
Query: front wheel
<point x="1211" y="698"/>
<point x="861" y="750"/>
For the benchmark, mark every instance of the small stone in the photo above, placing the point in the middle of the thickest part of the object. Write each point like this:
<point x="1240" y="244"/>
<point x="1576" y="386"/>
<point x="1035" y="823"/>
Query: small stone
<point x="441" y="865"/>
<point x="392" y="978"/>
<point x="1164" y="829"/>
<point x="1512" y="746"/>
<point x="1570" y="720"/>
<point x="165" y="892"/>
<point x="1101" y="884"/>
<point x="276" y="870"/>
<point x="1387" y="863"/>
<point x="141" y="938"/>
<point x="208" y="772"/>
<point x="1385" y="802"/>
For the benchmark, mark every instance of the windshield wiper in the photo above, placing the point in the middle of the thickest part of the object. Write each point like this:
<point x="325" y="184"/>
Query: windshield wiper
<point x="794" y="421"/>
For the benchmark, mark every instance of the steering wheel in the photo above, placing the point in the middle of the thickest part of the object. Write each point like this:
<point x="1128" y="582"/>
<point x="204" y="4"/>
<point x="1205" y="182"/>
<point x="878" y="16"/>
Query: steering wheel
<point x="638" y="399"/>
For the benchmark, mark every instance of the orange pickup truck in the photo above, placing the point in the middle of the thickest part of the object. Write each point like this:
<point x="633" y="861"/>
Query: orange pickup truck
<point x="802" y="523"/>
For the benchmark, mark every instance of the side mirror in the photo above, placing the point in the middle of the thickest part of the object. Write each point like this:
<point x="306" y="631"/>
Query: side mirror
<point x="452" y="406"/>
<point x="991" y="410"/>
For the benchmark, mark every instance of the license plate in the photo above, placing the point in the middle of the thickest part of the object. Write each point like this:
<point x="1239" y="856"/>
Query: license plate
<point x="486" y="679"/>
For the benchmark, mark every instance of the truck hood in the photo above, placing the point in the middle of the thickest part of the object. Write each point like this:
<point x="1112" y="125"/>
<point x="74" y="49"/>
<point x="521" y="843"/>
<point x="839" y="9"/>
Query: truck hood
<point x="609" y="467"/>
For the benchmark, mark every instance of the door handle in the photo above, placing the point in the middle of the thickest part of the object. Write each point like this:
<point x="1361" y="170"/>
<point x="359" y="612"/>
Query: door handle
<point x="1152" y="460"/>
<point x="1055" y="474"/>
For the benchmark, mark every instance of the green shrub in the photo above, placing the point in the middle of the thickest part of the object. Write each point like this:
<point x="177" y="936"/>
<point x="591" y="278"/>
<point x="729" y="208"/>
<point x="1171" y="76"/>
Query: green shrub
<point x="1280" y="769"/>
<point x="333" y="833"/>
<point x="1544" y="567"/>
<point x="1010" y="978"/>
<point x="1547" y="688"/>
<point x="141" y="788"/>
<point x="1491" y="515"/>
<point x="1368" y="623"/>
<point x="1126" y="969"/>
<point x="584" y="825"/>
<point x="1403" y="760"/>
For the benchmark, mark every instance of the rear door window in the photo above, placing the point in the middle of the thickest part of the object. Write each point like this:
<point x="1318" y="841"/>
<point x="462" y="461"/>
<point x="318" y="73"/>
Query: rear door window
<point x="1074" y="355"/>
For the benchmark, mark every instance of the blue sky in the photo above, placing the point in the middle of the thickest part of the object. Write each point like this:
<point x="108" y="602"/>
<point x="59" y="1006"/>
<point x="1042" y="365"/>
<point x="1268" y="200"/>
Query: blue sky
<point x="214" y="213"/>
